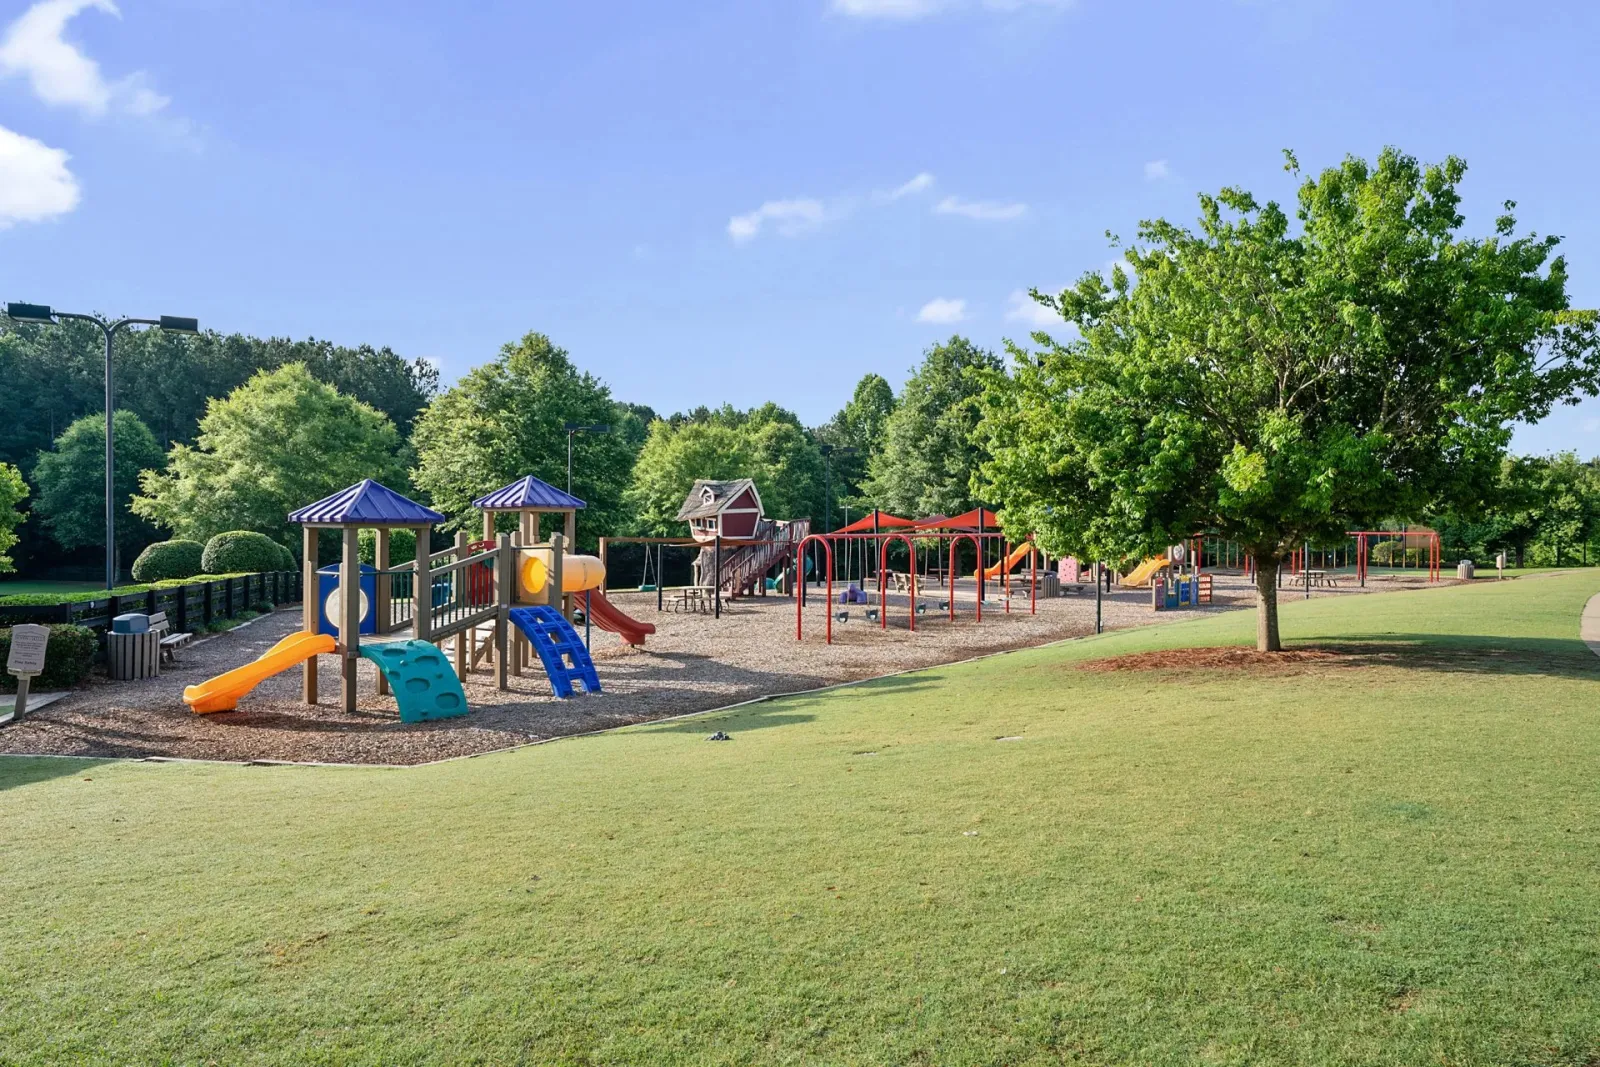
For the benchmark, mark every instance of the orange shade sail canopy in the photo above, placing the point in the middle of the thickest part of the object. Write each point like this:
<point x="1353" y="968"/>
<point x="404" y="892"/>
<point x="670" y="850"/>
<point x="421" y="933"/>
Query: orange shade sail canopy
<point x="875" y="521"/>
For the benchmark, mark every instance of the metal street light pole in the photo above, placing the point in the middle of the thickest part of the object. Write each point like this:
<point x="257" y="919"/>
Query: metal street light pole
<point x="43" y="315"/>
<point x="828" y="452"/>
<point x="577" y="428"/>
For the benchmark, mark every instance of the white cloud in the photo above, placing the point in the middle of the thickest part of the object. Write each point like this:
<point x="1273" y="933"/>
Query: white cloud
<point x="909" y="10"/>
<point x="1591" y="425"/>
<point x="789" y="218"/>
<point x="1157" y="170"/>
<point x="1020" y="307"/>
<point x="982" y="210"/>
<point x="35" y="183"/>
<point x="60" y="74"/>
<point x="887" y="9"/>
<point x="943" y="311"/>
<point x="921" y="183"/>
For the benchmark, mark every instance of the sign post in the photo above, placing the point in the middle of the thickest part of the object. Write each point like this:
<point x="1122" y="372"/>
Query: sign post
<point x="26" y="660"/>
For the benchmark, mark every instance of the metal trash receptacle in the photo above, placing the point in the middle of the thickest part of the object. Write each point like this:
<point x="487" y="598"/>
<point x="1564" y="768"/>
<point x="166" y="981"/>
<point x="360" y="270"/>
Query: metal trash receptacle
<point x="1464" y="570"/>
<point x="133" y="656"/>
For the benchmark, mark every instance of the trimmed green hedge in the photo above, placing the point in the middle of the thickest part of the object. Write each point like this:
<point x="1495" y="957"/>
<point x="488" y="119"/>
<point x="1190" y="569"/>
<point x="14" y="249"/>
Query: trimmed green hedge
<point x="67" y="658"/>
<point x="402" y="546"/>
<point x="286" y="560"/>
<point x="166" y="560"/>
<point x="242" y="551"/>
<point x="45" y="600"/>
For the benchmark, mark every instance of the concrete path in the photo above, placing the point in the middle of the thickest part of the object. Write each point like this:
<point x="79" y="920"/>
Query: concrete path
<point x="1589" y="626"/>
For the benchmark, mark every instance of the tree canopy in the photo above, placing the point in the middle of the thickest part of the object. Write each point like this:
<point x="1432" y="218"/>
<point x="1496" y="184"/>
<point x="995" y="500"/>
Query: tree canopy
<point x="71" y="481"/>
<point x="506" y="419"/>
<point x="13" y="490"/>
<point x="859" y="425"/>
<point x="929" y="451"/>
<point x="766" y="444"/>
<point x="166" y="379"/>
<point x="280" y="441"/>
<point x="1275" y="383"/>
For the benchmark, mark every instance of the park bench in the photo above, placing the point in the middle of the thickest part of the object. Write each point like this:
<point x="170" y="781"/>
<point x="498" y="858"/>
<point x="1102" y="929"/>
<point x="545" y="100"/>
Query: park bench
<point x="170" y="642"/>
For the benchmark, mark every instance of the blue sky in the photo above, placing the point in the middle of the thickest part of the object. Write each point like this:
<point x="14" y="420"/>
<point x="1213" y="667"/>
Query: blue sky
<point x="709" y="202"/>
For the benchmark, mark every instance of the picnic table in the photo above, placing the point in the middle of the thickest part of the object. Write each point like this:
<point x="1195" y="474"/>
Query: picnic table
<point x="700" y="598"/>
<point x="1315" y="577"/>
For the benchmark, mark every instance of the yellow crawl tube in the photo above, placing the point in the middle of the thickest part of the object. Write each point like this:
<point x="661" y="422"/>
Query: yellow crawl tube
<point x="577" y="573"/>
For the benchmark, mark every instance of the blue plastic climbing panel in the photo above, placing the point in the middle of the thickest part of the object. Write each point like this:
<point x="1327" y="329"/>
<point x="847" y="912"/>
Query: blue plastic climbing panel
<point x="560" y="649"/>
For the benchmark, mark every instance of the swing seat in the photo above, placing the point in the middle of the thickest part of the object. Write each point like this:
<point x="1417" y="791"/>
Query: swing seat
<point x="842" y="616"/>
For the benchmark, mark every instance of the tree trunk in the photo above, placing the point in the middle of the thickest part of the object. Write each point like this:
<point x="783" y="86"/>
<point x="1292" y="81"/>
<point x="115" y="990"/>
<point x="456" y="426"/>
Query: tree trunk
<point x="1267" y="639"/>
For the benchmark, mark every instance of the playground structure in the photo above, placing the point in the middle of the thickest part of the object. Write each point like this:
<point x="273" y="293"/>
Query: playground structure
<point x="785" y="557"/>
<point x="879" y="530"/>
<point x="1409" y="550"/>
<point x="496" y="599"/>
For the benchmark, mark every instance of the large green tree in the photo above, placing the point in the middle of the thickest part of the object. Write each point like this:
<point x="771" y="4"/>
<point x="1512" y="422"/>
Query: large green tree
<point x="672" y="458"/>
<point x="13" y="490"/>
<point x="855" y="434"/>
<point x="280" y="441"/>
<point x="929" y="451"/>
<point x="1277" y="379"/>
<point x="506" y="419"/>
<point x="766" y="444"/>
<point x="71" y="480"/>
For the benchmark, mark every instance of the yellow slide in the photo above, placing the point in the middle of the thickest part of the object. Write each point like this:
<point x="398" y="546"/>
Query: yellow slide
<point x="1145" y="571"/>
<point x="1018" y="554"/>
<point x="222" y="693"/>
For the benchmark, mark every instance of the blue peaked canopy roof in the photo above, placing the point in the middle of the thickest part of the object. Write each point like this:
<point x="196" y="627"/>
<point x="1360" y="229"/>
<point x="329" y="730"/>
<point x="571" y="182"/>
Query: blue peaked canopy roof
<point x="527" y="492"/>
<point x="367" y="503"/>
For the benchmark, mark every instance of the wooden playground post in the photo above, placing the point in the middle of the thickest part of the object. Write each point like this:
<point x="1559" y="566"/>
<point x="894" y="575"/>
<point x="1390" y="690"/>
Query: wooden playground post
<point x="464" y="598"/>
<point x="349" y="617"/>
<point x="380" y="589"/>
<point x="422" y="587"/>
<point x="505" y="577"/>
<point x="380" y="607"/>
<point x="310" y="608"/>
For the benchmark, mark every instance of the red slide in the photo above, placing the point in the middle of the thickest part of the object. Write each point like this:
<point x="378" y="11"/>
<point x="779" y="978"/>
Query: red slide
<point x="607" y="616"/>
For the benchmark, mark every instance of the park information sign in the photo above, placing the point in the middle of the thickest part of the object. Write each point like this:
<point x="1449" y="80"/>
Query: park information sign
<point x="26" y="659"/>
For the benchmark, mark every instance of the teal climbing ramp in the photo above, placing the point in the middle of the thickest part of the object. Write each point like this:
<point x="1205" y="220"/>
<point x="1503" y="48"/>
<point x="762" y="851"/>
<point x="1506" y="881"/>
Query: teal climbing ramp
<point x="560" y="649"/>
<point x="421" y="679"/>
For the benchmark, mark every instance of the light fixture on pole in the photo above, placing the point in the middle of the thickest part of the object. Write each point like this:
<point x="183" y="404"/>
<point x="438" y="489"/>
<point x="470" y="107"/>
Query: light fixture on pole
<point x="44" y="315"/>
<point x="574" y="428"/>
<point x="828" y="452"/>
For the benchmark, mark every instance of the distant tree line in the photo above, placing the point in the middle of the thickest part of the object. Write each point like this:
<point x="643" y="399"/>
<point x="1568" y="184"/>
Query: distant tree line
<point x="163" y="382"/>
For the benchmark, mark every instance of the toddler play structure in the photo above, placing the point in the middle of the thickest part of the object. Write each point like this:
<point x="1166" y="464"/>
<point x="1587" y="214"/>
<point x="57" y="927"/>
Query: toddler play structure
<point x="499" y="599"/>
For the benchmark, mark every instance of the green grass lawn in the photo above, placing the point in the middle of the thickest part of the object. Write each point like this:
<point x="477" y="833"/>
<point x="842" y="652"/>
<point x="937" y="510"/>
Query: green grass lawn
<point x="1391" y="862"/>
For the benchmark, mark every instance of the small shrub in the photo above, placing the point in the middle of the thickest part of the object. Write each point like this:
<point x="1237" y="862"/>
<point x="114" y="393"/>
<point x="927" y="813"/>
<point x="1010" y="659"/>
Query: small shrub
<point x="241" y="552"/>
<point x="166" y="560"/>
<point x="286" y="559"/>
<point x="67" y="658"/>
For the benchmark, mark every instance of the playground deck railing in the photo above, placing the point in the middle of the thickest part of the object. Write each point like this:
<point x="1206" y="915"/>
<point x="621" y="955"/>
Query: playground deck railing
<point x="463" y="593"/>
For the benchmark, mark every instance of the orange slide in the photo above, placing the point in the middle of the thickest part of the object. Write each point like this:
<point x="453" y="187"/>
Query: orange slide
<point x="222" y="693"/>
<point x="1019" y="554"/>
<point x="608" y="616"/>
